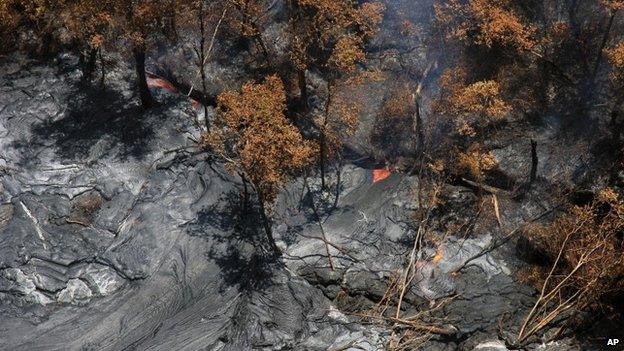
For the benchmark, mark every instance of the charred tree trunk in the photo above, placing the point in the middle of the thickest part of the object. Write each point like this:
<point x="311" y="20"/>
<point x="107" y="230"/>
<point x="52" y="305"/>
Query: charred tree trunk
<point x="260" y="42"/>
<point x="322" y="160"/>
<point x="295" y="14"/>
<point x="303" y="89"/>
<point x="245" y="199"/>
<point x="47" y="45"/>
<point x="266" y="223"/>
<point x="534" y="161"/>
<point x="603" y="44"/>
<point x="338" y="175"/>
<point x="202" y="59"/>
<point x="88" y="64"/>
<point x="319" y="221"/>
<point x="323" y="139"/>
<point x="144" y="93"/>
<point x="419" y="129"/>
<point x="204" y="86"/>
<point x="102" y="68"/>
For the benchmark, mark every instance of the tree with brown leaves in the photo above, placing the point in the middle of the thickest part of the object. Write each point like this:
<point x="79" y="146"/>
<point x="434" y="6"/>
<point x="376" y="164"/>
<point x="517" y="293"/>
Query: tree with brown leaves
<point x="485" y="22"/>
<point x="326" y="30"/>
<point x="90" y="26"/>
<point x="330" y="36"/>
<point x="396" y="123"/>
<point x="564" y="54"/>
<point x="141" y="23"/>
<point x="256" y="140"/>
<point x="536" y="62"/>
<point x="10" y="18"/>
<point x="37" y="19"/>
<point x="470" y="104"/>
<point x="249" y="18"/>
<point x="338" y="118"/>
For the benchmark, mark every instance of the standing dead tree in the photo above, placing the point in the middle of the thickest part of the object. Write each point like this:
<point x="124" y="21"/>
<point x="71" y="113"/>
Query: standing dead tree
<point x="534" y="161"/>
<point x="197" y="16"/>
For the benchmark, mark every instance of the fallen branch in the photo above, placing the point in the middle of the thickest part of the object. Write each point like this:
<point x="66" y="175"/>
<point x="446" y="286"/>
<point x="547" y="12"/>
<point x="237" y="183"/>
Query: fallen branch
<point x="544" y="299"/>
<point x="327" y="242"/>
<point x="410" y="270"/>
<point x="415" y="325"/>
<point x="496" y="210"/>
<point x="35" y="222"/>
<point x="73" y="221"/>
<point x="484" y="187"/>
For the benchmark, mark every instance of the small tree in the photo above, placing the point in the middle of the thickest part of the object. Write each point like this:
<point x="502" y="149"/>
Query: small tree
<point x="249" y="21"/>
<point x="469" y="105"/>
<point x="10" y="18"/>
<point x="142" y="22"/>
<point x="395" y="124"/>
<point x="330" y="36"/>
<point x="256" y="140"/>
<point x="201" y="20"/>
<point x="339" y="116"/>
<point x="320" y="26"/>
<point x="90" y="25"/>
<point x="37" y="18"/>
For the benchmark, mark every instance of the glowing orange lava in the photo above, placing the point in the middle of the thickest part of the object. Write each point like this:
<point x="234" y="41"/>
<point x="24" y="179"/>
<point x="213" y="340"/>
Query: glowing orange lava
<point x="380" y="174"/>
<point x="153" y="82"/>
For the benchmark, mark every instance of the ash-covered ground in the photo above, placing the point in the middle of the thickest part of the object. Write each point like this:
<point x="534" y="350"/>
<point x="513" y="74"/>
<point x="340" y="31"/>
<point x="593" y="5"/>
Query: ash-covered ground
<point x="117" y="234"/>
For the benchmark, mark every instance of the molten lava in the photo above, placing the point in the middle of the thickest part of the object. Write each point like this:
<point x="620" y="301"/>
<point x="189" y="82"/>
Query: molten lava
<point x="156" y="82"/>
<point x="380" y="174"/>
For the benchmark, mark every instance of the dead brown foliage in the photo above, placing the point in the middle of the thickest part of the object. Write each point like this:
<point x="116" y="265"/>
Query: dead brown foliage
<point x="394" y="123"/>
<point x="84" y="208"/>
<point x="585" y="247"/>
<point x="252" y="120"/>
<point x="470" y="105"/>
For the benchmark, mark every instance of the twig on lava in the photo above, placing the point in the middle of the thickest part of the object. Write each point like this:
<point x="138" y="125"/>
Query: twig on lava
<point x="484" y="187"/>
<point x="327" y="242"/>
<point x="320" y="224"/>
